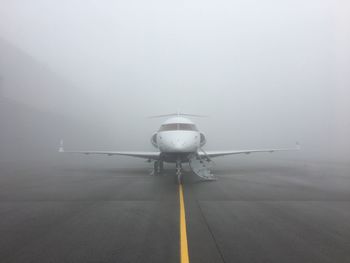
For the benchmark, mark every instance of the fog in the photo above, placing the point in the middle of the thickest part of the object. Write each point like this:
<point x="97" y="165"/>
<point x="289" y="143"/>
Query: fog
<point x="267" y="73"/>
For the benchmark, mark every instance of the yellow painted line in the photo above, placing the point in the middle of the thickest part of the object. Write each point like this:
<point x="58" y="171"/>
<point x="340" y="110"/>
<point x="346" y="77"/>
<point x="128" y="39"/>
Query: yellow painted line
<point x="183" y="231"/>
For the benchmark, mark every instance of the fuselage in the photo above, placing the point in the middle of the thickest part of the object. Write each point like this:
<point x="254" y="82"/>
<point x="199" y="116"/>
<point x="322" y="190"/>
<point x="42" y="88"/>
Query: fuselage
<point x="177" y="137"/>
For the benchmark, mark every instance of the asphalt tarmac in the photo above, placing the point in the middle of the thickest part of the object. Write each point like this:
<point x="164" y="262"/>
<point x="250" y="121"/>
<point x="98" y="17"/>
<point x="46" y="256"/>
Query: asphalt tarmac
<point x="254" y="212"/>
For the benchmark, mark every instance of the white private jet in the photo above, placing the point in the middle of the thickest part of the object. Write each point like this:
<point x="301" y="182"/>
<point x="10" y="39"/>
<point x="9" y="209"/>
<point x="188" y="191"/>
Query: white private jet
<point x="179" y="141"/>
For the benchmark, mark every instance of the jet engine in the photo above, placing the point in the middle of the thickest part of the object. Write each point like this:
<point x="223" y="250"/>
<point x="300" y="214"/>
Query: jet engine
<point x="154" y="140"/>
<point x="203" y="140"/>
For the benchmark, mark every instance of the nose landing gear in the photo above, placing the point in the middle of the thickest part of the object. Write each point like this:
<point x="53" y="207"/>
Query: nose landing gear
<point x="179" y="171"/>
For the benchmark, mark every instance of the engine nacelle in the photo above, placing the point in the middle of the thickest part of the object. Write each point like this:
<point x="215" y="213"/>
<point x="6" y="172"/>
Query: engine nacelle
<point x="203" y="140"/>
<point x="154" y="140"/>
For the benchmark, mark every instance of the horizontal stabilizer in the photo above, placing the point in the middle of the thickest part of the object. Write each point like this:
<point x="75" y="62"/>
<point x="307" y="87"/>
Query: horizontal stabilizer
<point x="178" y="114"/>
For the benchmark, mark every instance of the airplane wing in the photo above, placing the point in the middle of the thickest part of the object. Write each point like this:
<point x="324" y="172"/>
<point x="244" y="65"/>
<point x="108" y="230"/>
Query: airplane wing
<point x="212" y="154"/>
<point x="145" y="155"/>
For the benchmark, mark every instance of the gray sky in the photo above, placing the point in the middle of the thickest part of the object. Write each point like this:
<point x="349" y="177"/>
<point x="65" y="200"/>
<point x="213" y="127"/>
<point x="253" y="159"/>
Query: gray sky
<point x="267" y="72"/>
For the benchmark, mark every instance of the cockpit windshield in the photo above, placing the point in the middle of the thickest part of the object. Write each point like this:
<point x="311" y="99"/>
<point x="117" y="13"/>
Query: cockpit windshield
<point x="178" y="126"/>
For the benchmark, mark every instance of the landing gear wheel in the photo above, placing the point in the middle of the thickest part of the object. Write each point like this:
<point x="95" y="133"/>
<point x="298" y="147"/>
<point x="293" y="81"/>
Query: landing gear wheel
<point x="179" y="177"/>
<point x="179" y="172"/>
<point x="156" y="168"/>
<point x="161" y="167"/>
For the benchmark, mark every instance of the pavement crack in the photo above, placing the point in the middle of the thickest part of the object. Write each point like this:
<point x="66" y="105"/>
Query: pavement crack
<point x="210" y="231"/>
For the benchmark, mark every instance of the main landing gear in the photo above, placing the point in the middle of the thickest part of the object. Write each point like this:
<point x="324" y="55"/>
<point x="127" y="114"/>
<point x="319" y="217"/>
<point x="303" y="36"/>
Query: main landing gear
<point x="158" y="167"/>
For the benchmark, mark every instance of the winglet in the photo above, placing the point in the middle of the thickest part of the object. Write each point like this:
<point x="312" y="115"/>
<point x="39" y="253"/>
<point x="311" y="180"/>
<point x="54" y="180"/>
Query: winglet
<point x="61" y="149"/>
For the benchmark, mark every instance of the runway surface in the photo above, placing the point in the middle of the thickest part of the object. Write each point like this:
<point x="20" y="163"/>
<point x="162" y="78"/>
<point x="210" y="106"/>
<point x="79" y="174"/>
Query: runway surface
<point x="255" y="212"/>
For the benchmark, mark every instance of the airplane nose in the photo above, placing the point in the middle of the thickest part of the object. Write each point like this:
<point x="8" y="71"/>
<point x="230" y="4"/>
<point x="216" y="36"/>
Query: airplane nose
<point x="178" y="144"/>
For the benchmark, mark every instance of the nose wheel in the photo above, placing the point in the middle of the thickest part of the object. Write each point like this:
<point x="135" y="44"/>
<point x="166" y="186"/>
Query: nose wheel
<point x="179" y="172"/>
